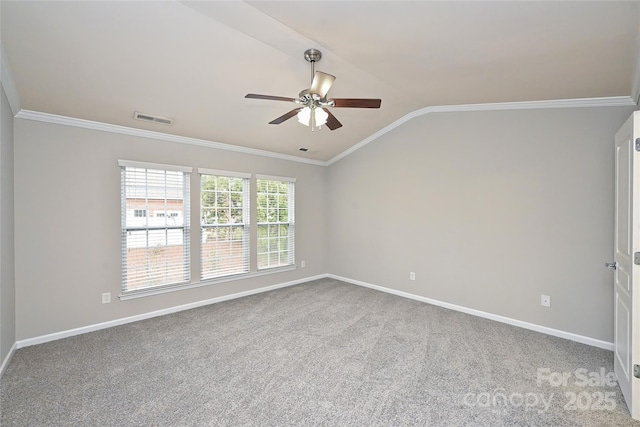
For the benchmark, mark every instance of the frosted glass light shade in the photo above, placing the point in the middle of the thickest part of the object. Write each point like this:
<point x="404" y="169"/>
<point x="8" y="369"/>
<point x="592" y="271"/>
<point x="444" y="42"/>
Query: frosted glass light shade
<point x="319" y="115"/>
<point x="304" y="116"/>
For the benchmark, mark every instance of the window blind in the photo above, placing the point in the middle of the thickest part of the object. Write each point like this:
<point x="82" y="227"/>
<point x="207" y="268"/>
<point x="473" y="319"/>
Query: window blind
<point x="155" y="225"/>
<point x="275" y="221"/>
<point x="224" y="223"/>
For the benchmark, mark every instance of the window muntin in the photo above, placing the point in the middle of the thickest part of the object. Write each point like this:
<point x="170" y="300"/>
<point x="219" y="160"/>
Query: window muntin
<point x="155" y="248"/>
<point x="225" y="225"/>
<point x="276" y="222"/>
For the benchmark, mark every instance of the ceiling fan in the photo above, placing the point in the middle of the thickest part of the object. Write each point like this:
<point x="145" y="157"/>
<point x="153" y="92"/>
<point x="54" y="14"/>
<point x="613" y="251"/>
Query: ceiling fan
<point x="314" y="102"/>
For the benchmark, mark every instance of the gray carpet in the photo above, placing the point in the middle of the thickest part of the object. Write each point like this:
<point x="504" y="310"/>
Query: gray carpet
<point x="321" y="353"/>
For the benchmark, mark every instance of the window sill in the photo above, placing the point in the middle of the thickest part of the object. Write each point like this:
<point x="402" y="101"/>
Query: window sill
<point x="173" y="288"/>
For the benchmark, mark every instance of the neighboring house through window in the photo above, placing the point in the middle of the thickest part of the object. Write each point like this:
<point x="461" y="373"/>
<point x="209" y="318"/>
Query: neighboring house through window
<point x="155" y="246"/>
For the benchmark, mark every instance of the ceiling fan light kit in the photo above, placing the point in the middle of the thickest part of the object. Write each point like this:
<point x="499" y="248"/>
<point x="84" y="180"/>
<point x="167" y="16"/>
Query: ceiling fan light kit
<point x="314" y="111"/>
<point x="313" y="117"/>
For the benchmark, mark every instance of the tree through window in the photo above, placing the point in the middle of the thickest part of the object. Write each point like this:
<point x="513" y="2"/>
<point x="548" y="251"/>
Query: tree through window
<point x="224" y="222"/>
<point x="276" y="222"/>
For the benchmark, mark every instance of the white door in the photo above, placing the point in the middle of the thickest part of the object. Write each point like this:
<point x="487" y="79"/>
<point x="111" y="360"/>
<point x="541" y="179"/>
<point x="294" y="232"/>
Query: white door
<point x="627" y="274"/>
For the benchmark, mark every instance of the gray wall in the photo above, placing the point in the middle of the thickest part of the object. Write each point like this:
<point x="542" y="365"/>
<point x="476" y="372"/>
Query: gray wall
<point x="7" y="282"/>
<point x="67" y="223"/>
<point x="489" y="209"/>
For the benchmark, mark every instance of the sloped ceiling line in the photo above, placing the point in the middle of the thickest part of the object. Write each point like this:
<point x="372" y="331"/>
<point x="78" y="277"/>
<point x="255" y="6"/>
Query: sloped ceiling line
<point x="6" y="78"/>
<point x="635" y="91"/>
<point x="635" y="85"/>
<point x="254" y="24"/>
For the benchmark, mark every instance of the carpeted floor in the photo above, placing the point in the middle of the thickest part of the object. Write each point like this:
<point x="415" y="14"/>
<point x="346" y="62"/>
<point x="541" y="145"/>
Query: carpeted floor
<point x="321" y="353"/>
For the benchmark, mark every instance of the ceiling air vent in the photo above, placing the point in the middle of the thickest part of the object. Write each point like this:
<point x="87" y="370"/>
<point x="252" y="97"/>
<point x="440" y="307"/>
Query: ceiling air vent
<point x="150" y="118"/>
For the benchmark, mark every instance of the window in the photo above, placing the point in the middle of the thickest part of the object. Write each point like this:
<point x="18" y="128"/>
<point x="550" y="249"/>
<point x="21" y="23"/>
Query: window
<point x="224" y="222"/>
<point x="155" y="212"/>
<point x="155" y="248"/>
<point x="276" y="219"/>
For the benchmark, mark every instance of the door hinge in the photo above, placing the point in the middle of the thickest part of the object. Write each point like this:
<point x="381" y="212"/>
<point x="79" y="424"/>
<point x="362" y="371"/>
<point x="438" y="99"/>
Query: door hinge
<point x="637" y="144"/>
<point x="636" y="371"/>
<point x="636" y="258"/>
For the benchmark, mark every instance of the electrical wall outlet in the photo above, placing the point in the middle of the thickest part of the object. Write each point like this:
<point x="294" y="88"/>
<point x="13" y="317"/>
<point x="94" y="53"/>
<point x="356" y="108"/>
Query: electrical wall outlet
<point x="545" y="300"/>
<point x="412" y="276"/>
<point x="303" y="264"/>
<point x="106" y="298"/>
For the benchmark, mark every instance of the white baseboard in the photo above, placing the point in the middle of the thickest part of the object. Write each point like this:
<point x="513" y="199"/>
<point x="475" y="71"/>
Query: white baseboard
<point x="90" y="328"/>
<point x="98" y="326"/>
<point x="526" y="325"/>
<point x="7" y="359"/>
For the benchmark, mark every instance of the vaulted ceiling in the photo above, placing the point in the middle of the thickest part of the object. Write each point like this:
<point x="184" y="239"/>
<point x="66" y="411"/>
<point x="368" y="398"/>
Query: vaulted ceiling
<point x="195" y="61"/>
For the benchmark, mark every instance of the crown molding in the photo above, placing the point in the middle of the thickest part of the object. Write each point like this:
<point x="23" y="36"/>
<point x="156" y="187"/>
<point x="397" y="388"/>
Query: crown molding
<point x="124" y="130"/>
<point x="6" y="78"/>
<point x="615" y="101"/>
<point x="618" y="101"/>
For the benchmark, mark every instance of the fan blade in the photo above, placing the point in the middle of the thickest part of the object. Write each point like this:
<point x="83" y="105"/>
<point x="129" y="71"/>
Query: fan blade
<point x="332" y="122"/>
<point x="357" y="102"/>
<point x="321" y="83"/>
<point x="284" y="117"/>
<point x="269" y="97"/>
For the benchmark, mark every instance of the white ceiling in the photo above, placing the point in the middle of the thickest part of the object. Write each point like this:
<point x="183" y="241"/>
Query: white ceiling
<point x="195" y="61"/>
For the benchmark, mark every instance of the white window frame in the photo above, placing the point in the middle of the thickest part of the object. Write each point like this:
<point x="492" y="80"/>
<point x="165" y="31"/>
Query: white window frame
<point x="245" y="225"/>
<point x="290" y="224"/>
<point x="129" y="227"/>
<point x="189" y="242"/>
